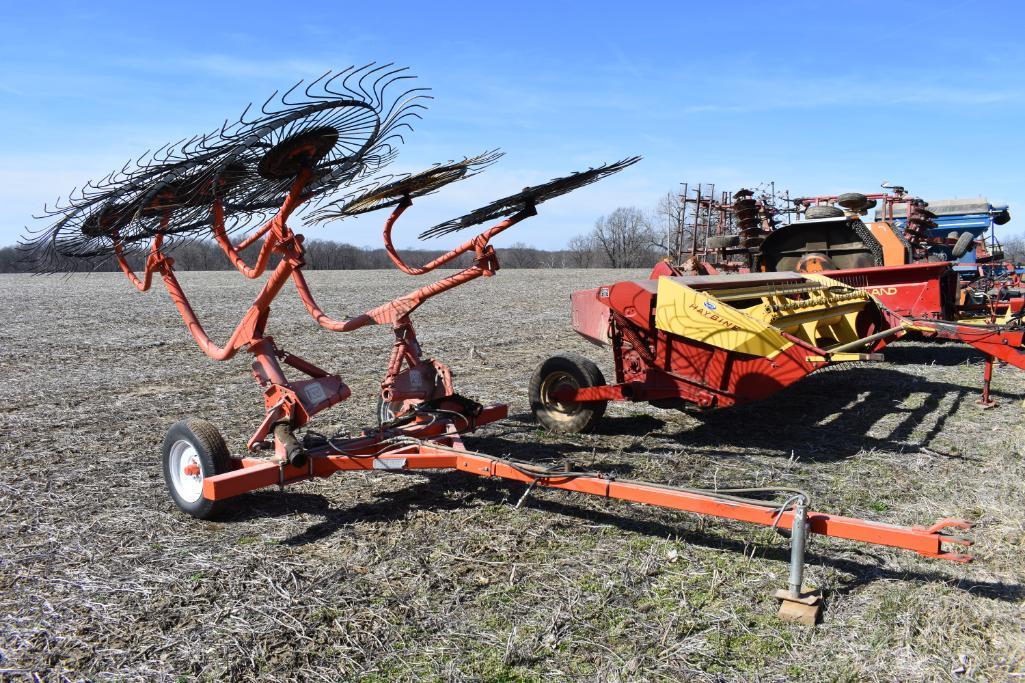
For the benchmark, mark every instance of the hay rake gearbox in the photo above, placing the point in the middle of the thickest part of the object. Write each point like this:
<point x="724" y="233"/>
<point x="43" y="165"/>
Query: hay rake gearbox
<point x="329" y="142"/>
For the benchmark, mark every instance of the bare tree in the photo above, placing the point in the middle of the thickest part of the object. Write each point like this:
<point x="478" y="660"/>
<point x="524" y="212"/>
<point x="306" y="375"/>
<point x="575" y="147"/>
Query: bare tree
<point x="584" y="252"/>
<point x="1014" y="248"/>
<point x="626" y="238"/>
<point x="669" y="225"/>
<point x="519" y="255"/>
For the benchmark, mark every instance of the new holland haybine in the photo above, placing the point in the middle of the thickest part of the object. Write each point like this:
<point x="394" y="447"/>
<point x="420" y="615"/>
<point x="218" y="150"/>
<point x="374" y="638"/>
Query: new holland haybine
<point x="714" y="341"/>
<point x="325" y="146"/>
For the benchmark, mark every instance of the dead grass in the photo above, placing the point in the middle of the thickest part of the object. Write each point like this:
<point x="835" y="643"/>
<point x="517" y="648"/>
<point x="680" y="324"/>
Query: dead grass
<point x="439" y="577"/>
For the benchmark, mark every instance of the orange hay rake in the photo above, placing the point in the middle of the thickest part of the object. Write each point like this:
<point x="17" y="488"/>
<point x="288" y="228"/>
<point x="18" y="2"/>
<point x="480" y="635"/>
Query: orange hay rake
<point x="300" y="153"/>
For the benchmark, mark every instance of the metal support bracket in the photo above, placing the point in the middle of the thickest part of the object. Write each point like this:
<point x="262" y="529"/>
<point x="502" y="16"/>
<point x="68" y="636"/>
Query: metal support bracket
<point x="797" y="605"/>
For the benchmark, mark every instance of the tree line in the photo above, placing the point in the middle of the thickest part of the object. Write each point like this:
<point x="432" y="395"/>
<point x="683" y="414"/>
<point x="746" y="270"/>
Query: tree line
<point x="625" y="238"/>
<point x="320" y="255"/>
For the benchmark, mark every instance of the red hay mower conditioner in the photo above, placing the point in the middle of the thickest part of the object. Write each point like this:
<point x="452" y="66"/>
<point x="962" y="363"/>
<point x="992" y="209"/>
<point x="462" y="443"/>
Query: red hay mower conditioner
<point x="334" y="136"/>
<point x="715" y="341"/>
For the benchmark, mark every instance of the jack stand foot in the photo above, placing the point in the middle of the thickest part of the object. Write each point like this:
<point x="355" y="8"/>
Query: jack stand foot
<point x="986" y="404"/>
<point x="804" y="609"/>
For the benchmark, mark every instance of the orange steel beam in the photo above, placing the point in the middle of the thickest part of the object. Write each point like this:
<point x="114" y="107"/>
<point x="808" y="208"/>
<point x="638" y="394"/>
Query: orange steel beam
<point x="447" y="453"/>
<point x="924" y="541"/>
<point x="255" y="473"/>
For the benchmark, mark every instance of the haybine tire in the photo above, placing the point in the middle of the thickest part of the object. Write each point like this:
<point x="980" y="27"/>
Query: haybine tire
<point x="823" y="211"/>
<point x="194" y="443"/>
<point x="964" y="243"/>
<point x="722" y="241"/>
<point x="571" y="417"/>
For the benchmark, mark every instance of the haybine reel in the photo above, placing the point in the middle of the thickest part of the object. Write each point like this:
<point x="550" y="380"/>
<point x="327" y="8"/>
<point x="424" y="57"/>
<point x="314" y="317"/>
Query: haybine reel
<point x="328" y="142"/>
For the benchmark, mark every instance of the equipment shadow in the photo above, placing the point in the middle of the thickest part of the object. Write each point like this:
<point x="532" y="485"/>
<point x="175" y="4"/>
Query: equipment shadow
<point x="829" y="416"/>
<point x="447" y="491"/>
<point x="838" y="413"/>
<point x="933" y="352"/>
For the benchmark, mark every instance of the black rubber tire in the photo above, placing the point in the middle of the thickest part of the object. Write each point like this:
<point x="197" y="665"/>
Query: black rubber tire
<point x="213" y="457"/>
<point x="722" y="241"/>
<point x="997" y="256"/>
<point x="823" y="211"/>
<point x="953" y="235"/>
<point x="964" y="242"/>
<point x="1002" y="217"/>
<point x="855" y="201"/>
<point x="570" y="418"/>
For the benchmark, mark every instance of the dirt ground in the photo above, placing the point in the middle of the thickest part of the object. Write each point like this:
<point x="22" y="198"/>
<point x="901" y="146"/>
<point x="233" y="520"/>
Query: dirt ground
<point x="381" y="576"/>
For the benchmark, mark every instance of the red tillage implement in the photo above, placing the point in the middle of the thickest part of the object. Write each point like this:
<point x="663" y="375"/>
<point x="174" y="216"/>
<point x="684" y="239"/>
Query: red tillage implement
<point x="336" y="137"/>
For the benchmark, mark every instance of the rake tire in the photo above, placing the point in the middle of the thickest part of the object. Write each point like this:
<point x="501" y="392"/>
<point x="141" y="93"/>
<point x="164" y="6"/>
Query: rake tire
<point x="386" y="410"/>
<point x="570" y="417"/>
<point x="194" y="442"/>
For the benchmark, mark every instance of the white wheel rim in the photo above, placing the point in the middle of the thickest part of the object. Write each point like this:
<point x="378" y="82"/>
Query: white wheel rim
<point x="186" y="471"/>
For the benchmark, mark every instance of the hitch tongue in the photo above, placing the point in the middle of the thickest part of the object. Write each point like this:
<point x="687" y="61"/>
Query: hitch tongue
<point x="937" y="529"/>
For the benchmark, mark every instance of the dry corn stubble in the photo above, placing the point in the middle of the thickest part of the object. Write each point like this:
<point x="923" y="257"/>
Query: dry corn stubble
<point x="384" y="577"/>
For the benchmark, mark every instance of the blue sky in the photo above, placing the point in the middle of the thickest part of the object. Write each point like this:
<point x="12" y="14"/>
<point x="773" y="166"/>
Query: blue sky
<point x="819" y="97"/>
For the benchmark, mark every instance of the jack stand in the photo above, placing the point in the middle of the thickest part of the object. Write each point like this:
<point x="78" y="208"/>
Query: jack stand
<point x="987" y="376"/>
<point x="796" y="606"/>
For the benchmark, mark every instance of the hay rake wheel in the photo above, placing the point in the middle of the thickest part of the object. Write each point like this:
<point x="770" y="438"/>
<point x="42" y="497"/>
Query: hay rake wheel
<point x="528" y="197"/>
<point x="253" y="176"/>
<point x="390" y="193"/>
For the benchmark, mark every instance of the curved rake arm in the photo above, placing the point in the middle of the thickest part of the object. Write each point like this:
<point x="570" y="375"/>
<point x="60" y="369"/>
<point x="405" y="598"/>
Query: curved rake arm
<point x="252" y="323"/>
<point x="234" y="253"/>
<point x="477" y="242"/>
<point x="156" y="261"/>
<point x="250" y="328"/>
<point x="275" y="226"/>
<point x="486" y="264"/>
